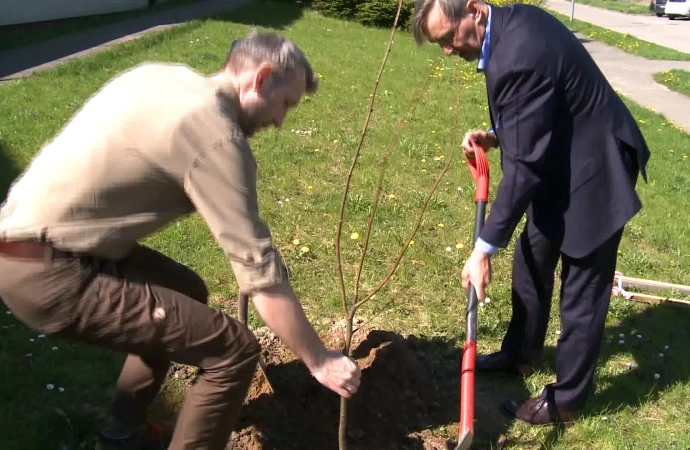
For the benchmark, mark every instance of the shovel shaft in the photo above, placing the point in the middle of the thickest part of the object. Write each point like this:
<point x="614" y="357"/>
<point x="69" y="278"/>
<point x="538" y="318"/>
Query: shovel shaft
<point x="472" y="300"/>
<point x="479" y="168"/>
<point x="469" y="353"/>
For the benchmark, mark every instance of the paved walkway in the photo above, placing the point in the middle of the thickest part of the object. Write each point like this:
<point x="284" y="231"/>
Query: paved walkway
<point x="659" y="30"/>
<point x="23" y="61"/>
<point x="632" y="76"/>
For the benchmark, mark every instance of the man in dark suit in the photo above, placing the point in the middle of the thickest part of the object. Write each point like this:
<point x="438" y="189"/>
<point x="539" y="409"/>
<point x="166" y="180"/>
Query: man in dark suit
<point x="571" y="153"/>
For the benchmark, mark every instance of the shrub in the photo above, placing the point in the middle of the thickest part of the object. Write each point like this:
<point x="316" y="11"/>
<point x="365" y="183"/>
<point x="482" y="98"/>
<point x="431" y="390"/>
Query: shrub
<point x="381" y="13"/>
<point x="342" y="9"/>
<point x="516" y="2"/>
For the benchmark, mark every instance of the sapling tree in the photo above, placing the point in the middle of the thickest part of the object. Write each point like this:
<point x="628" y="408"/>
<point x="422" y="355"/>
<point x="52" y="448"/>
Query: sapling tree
<point x="351" y="306"/>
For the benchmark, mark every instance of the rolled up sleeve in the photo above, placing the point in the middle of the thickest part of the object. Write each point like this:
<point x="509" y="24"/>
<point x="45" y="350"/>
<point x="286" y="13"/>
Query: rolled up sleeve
<point x="221" y="183"/>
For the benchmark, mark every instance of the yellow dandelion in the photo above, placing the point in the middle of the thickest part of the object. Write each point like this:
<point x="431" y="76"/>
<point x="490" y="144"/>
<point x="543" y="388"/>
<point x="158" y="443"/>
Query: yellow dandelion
<point x="423" y="160"/>
<point x="296" y="242"/>
<point x="335" y="141"/>
<point x="304" y="249"/>
<point x="317" y="150"/>
<point x="391" y="196"/>
<point x="310" y="187"/>
<point x="411" y="242"/>
<point x="641" y="121"/>
<point x="441" y="225"/>
<point x="354" y="236"/>
<point x="459" y="245"/>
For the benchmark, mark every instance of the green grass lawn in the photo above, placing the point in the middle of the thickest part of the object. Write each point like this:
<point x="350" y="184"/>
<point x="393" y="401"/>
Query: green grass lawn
<point x="676" y="80"/>
<point x="17" y="36"/>
<point x="301" y="177"/>
<point x="622" y="41"/>
<point x="624" y="6"/>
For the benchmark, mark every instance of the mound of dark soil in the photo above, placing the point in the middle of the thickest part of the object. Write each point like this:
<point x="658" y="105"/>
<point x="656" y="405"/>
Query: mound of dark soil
<point x="404" y="393"/>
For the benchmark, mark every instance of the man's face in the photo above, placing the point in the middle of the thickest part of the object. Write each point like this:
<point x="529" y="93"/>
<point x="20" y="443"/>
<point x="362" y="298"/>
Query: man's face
<point x="463" y="38"/>
<point x="265" y="101"/>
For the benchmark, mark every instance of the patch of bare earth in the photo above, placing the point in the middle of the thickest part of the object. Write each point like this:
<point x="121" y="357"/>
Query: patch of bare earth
<point x="405" y="393"/>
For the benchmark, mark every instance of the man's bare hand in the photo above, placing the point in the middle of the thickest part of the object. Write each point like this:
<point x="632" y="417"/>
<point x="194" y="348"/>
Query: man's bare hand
<point x="483" y="138"/>
<point x="338" y="373"/>
<point x="477" y="271"/>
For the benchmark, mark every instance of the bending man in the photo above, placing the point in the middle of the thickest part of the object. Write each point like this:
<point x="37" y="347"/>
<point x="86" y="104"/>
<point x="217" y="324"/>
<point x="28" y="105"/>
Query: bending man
<point x="571" y="153"/>
<point x="155" y="143"/>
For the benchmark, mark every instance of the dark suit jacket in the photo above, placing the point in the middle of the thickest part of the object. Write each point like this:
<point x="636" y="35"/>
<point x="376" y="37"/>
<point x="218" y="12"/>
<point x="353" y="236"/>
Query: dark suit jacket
<point x="570" y="149"/>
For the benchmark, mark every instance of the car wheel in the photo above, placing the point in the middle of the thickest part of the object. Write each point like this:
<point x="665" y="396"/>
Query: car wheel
<point x="659" y="14"/>
<point x="671" y="17"/>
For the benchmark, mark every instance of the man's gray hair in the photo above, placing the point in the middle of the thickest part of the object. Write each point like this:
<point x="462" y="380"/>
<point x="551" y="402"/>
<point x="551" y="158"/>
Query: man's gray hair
<point x="266" y="47"/>
<point x="452" y="9"/>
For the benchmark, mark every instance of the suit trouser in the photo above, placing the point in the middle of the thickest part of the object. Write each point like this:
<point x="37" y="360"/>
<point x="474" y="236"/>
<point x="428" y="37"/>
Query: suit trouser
<point x="585" y="294"/>
<point x="154" y="309"/>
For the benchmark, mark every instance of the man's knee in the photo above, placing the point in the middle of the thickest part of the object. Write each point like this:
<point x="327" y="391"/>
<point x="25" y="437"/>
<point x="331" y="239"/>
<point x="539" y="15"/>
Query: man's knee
<point x="242" y="349"/>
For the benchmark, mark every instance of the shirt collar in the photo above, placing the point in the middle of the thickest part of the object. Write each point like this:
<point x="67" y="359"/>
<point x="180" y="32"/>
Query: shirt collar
<point x="485" y="51"/>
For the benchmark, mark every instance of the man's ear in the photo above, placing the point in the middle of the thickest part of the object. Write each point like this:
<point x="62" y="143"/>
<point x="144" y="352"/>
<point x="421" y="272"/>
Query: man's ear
<point x="261" y="76"/>
<point x="473" y="7"/>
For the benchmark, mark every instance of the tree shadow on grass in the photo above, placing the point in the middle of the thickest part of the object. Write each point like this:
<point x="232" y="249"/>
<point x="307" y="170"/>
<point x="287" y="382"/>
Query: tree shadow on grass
<point x="8" y="171"/>
<point x="277" y="15"/>
<point x="660" y="349"/>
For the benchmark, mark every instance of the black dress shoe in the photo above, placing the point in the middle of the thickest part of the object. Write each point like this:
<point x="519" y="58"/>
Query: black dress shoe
<point x="500" y="362"/>
<point x="538" y="411"/>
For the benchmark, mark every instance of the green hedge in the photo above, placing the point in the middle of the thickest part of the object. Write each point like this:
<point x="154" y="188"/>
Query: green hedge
<point x="377" y="13"/>
<point x="381" y="13"/>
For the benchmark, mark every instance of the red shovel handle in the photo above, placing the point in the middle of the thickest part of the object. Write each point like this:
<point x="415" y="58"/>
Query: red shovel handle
<point x="479" y="167"/>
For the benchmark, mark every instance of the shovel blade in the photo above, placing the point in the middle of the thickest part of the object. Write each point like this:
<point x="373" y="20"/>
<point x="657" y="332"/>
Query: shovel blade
<point x="465" y="442"/>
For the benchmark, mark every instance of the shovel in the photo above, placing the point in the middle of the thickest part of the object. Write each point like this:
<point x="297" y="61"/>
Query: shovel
<point x="479" y="167"/>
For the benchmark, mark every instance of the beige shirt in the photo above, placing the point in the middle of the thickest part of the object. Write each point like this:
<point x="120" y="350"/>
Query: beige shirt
<point x="155" y="143"/>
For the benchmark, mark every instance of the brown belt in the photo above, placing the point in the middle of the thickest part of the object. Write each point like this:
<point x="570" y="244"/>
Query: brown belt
<point x="31" y="249"/>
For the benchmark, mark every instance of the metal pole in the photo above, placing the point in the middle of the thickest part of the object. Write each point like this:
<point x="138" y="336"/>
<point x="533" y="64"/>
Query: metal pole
<point x="572" y="9"/>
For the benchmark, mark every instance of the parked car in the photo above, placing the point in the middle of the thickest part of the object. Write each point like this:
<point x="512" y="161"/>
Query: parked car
<point x="677" y="8"/>
<point x="658" y="7"/>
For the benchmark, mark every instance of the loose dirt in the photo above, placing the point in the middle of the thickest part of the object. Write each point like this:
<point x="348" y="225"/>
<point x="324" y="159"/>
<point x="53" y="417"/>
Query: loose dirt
<point x="408" y="398"/>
